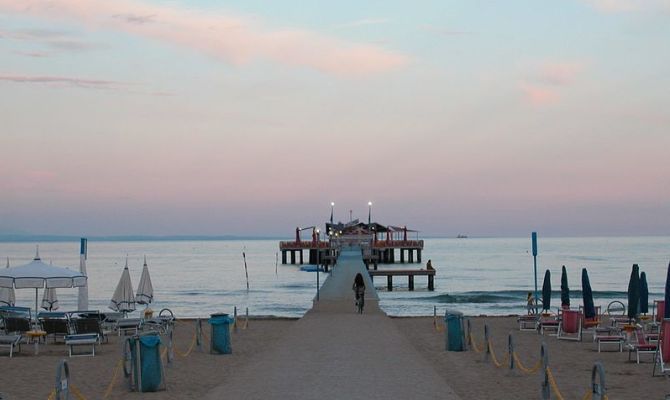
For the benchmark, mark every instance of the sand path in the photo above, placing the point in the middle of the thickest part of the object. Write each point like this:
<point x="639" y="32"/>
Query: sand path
<point x="333" y="353"/>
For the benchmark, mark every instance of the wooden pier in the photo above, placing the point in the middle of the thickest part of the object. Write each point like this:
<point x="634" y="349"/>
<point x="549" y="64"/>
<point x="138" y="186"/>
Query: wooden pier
<point x="409" y="273"/>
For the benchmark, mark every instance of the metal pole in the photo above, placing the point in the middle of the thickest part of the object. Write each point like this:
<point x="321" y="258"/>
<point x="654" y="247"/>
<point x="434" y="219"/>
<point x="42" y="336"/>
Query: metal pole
<point x="534" y="246"/>
<point x="317" y="274"/>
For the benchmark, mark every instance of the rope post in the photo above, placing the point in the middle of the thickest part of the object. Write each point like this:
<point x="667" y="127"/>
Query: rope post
<point x="170" y="347"/>
<point x="510" y="351"/>
<point x="469" y="334"/>
<point x="486" y="342"/>
<point x="198" y="334"/>
<point x="235" y="319"/>
<point x="598" y="390"/>
<point x="546" y="389"/>
<point x="63" y="384"/>
<point x="246" y="322"/>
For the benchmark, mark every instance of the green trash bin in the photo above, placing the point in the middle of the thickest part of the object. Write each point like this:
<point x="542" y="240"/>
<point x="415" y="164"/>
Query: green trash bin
<point x="220" y="333"/>
<point x="454" y="332"/>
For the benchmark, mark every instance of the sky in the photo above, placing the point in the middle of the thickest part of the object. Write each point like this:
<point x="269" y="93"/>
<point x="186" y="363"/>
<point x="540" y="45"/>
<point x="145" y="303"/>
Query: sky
<point x="202" y="117"/>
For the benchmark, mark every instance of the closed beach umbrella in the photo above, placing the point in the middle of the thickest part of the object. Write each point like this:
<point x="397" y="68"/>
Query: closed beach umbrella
<point x="124" y="298"/>
<point x="666" y="313"/>
<point x="50" y="300"/>
<point x="644" y="294"/>
<point x="82" y="296"/>
<point x="546" y="291"/>
<point x="634" y="293"/>
<point x="7" y="296"/>
<point x="145" y="290"/>
<point x="587" y="296"/>
<point x="565" y="290"/>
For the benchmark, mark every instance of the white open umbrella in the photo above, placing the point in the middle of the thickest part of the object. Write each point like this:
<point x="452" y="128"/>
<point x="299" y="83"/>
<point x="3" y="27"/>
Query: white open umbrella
<point x="50" y="300"/>
<point x="7" y="296"/>
<point x="37" y="275"/>
<point x="123" y="299"/>
<point x="145" y="290"/>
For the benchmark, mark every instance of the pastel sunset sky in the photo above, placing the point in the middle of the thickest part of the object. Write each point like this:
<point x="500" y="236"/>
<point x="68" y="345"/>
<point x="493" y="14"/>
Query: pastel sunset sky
<point x="250" y="117"/>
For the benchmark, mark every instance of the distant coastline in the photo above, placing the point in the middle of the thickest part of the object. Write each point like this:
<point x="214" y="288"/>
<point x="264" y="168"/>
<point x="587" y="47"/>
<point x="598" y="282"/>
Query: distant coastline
<point x="20" y="238"/>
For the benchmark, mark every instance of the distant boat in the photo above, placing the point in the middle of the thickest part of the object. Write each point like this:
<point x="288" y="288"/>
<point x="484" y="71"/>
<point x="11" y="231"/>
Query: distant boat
<point x="460" y="236"/>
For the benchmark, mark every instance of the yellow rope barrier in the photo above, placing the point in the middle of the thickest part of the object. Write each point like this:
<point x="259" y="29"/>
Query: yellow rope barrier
<point x="473" y="342"/>
<point x="495" y="359"/>
<point x="438" y="327"/>
<point x="113" y="381"/>
<point x="190" y="349"/>
<point x="52" y="395"/>
<point x="554" y="386"/>
<point x="77" y="393"/>
<point x="532" y="370"/>
<point x="588" y="395"/>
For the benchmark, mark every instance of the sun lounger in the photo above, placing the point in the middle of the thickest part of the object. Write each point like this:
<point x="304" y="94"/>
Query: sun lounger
<point x="570" y="327"/>
<point x="609" y="336"/>
<point x="90" y="325"/>
<point x="56" y="324"/>
<point x="16" y="324"/>
<point x="527" y="322"/>
<point x="641" y="345"/>
<point x="129" y="325"/>
<point x="548" y="324"/>
<point x="81" y="340"/>
<point x="10" y="341"/>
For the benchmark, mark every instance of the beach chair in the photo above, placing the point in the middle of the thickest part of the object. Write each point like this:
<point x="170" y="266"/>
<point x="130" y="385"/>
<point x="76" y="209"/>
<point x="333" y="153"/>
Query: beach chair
<point x="570" y="326"/>
<point x="591" y="324"/>
<point x="662" y="356"/>
<point x="527" y="322"/>
<point x="11" y="341"/>
<point x="548" y="324"/>
<point x="81" y="340"/>
<point x="129" y="326"/>
<point x="91" y="325"/>
<point x="56" y="324"/>
<point x="609" y="336"/>
<point x="18" y="325"/>
<point x="640" y="345"/>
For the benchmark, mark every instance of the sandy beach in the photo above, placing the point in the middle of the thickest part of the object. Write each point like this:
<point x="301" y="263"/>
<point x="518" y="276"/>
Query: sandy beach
<point x="29" y="376"/>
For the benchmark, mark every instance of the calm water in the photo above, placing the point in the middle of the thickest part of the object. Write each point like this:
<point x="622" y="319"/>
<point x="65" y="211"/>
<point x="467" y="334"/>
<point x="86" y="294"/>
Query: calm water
<point x="474" y="276"/>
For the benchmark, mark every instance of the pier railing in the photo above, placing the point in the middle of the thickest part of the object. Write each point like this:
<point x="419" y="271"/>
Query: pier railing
<point x="303" y="245"/>
<point x="385" y="244"/>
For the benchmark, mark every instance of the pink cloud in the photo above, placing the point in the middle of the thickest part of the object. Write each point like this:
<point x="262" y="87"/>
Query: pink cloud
<point x="621" y="6"/>
<point x="234" y="39"/>
<point x="559" y="73"/>
<point x="539" y="95"/>
<point x="62" y="80"/>
<point x="544" y="84"/>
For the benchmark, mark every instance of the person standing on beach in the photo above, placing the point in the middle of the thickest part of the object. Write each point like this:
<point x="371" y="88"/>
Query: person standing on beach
<point x="529" y="303"/>
<point x="359" y="288"/>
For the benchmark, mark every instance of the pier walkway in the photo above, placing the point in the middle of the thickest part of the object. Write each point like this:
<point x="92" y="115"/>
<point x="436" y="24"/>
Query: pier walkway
<point x="335" y="353"/>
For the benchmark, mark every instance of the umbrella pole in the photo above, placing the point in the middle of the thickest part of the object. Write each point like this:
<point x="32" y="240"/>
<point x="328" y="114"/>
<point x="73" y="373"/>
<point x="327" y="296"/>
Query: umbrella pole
<point x="36" y="309"/>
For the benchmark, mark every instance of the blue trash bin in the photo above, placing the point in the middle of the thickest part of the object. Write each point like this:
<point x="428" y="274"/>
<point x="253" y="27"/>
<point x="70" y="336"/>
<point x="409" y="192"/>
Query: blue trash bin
<point x="454" y="332"/>
<point x="220" y="333"/>
<point x="147" y="372"/>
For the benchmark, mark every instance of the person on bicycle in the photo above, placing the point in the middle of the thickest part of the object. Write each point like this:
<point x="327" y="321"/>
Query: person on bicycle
<point x="359" y="288"/>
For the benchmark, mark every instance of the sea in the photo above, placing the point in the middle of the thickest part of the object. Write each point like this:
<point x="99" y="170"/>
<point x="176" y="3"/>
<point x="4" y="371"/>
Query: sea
<point x="475" y="276"/>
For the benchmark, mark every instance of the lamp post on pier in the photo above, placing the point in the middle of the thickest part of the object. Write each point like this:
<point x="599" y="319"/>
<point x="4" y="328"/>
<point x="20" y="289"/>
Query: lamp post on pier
<point x="332" y="207"/>
<point x="369" y="212"/>
<point x="317" y="266"/>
